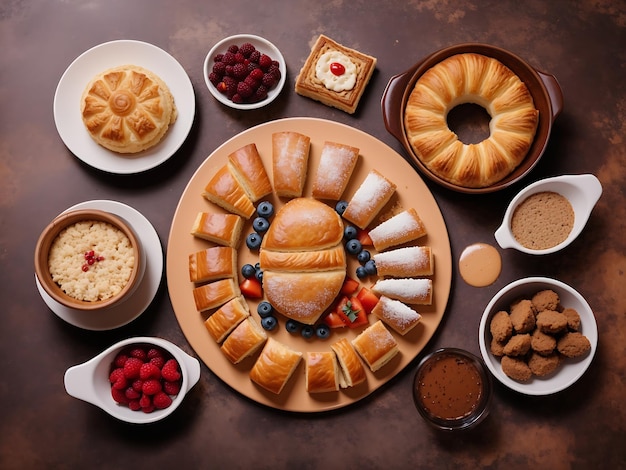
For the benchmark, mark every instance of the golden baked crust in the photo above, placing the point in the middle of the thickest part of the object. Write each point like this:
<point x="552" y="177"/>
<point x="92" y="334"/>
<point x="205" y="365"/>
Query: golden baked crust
<point x="225" y="191"/>
<point x="213" y="263"/>
<point x="226" y="318"/>
<point x="396" y="314"/>
<point x="290" y="158"/>
<point x="244" y="340"/>
<point x="352" y="371"/>
<point x="335" y="168"/>
<point x="376" y="345"/>
<point x="309" y="85"/>
<point x="470" y="78"/>
<point x="247" y="166"/>
<point x="321" y="372"/>
<point x="275" y="366"/>
<point x="222" y="229"/>
<point x="127" y="109"/>
<point x="214" y="294"/>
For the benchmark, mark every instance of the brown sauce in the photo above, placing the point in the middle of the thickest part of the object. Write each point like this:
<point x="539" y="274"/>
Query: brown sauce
<point x="450" y="387"/>
<point x="480" y="264"/>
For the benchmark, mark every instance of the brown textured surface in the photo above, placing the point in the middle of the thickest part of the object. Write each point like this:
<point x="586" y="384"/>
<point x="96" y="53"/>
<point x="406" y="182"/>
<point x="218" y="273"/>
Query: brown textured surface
<point x="581" y="43"/>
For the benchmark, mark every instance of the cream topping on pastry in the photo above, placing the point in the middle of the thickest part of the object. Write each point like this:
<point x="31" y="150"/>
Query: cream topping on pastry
<point x="344" y="81"/>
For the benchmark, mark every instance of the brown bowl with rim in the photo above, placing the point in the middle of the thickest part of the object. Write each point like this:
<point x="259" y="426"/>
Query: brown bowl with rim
<point x="83" y="261"/>
<point x="543" y="87"/>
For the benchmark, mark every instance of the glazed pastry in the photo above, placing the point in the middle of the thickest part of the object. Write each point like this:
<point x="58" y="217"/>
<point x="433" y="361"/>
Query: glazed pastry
<point x="321" y="372"/>
<point x="290" y="158"/>
<point x="211" y="264"/>
<point x="403" y="227"/>
<point x="375" y="191"/>
<point x="410" y="291"/>
<point x="222" y="229"/>
<point x="376" y="345"/>
<point x="340" y="86"/>
<point x="411" y="261"/>
<point x="247" y="166"/>
<point x="226" y="318"/>
<point x="225" y="191"/>
<point x="351" y="369"/>
<point x="214" y="294"/>
<point x="396" y="314"/>
<point x="303" y="259"/>
<point x="275" y="366"/>
<point x="246" y="339"/>
<point x="470" y="78"/>
<point x="127" y="109"/>
<point x="335" y="168"/>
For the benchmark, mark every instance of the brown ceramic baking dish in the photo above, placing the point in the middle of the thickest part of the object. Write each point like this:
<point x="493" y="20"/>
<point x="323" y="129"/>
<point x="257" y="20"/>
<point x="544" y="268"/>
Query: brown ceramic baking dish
<point x="543" y="87"/>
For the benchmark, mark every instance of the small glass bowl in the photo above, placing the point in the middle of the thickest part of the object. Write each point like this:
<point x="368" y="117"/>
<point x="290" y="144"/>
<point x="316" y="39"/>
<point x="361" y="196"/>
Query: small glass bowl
<point x="452" y="389"/>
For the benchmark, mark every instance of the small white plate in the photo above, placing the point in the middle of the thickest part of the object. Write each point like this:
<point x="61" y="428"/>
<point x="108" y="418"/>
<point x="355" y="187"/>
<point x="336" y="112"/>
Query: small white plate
<point x="119" y="314"/>
<point x="263" y="46"/>
<point x="99" y="58"/>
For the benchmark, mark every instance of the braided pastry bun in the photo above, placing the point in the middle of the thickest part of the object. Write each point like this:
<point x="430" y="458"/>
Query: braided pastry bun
<point x="127" y="109"/>
<point x="470" y="78"/>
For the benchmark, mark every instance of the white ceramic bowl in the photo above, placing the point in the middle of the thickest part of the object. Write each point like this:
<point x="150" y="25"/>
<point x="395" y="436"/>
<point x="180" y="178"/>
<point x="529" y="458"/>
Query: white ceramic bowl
<point x="582" y="191"/>
<point x="571" y="369"/>
<point x="263" y="46"/>
<point x="90" y="381"/>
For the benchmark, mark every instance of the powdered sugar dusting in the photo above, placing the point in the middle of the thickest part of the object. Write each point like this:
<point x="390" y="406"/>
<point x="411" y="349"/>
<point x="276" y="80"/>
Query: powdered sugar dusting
<point x="397" y="313"/>
<point x="402" y="227"/>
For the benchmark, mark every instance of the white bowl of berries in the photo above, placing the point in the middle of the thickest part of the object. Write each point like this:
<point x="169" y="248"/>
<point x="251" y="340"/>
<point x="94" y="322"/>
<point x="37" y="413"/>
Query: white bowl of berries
<point x="138" y="380"/>
<point x="244" y="71"/>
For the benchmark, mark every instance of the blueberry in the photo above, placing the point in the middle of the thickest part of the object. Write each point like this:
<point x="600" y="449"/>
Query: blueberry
<point x="350" y="232"/>
<point x="258" y="273"/>
<point x="353" y="246"/>
<point x="307" y="331"/>
<point x="265" y="309"/>
<point x="253" y="241"/>
<point x="247" y="271"/>
<point x="269" y="323"/>
<point x="370" y="267"/>
<point x="361" y="273"/>
<point x="260" y="224"/>
<point x="341" y="206"/>
<point x="322" y="331"/>
<point x="363" y="256"/>
<point x="292" y="326"/>
<point x="265" y="209"/>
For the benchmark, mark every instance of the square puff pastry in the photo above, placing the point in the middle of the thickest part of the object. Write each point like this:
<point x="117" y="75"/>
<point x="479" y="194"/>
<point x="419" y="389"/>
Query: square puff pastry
<point x="352" y="371"/>
<point x="310" y="85"/>
<point x="396" y="314"/>
<point x="226" y="318"/>
<point x="215" y="294"/>
<point x="411" y="261"/>
<point x="244" y="340"/>
<point x="212" y="264"/>
<point x="226" y="191"/>
<point x="376" y="345"/>
<point x="222" y="229"/>
<point x="374" y="192"/>
<point x="335" y="168"/>
<point x="247" y="166"/>
<point x="322" y="372"/>
<point x="275" y="366"/>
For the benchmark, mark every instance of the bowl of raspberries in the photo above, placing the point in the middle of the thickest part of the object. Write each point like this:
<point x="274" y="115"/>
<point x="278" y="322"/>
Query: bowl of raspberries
<point x="244" y="71"/>
<point x="138" y="380"/>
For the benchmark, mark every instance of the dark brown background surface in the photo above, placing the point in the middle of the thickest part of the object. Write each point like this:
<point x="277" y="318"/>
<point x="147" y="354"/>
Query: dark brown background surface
<point x="582" y="43"/>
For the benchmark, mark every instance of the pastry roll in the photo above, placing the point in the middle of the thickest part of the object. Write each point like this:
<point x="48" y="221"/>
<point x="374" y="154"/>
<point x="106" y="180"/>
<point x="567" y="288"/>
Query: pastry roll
<point x="244" y="340"/>
<point x="376" y="345"/>
<point x="335" y="168"/>
<point x="412" y="261"/>
<point x="225" y="191"/>
<point x="304" y="261"/>
<point x="290" y="158"/>
<point x="247" y="166"/>
<point x="396" y="314"/>
<point x="351" y="369"/>
<point x="226" y="318"/>
<point x="211" y="264"/>
<point x="321" y="372"/>
<point x="222" y="229"/>
<point x="215" y="294"/>
<point x="403" y="227"/>
<point x="375" y="191"/>
<point x="407" y="290"/>
<point x="275" y="366"/>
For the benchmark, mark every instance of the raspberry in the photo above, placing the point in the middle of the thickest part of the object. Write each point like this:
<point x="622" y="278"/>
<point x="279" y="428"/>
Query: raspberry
<point x="137" y="385"/>
<point x="134" y="405"/>
<point x="228" y="70"/>
<point x="214" y="78"/>
<point x="161" y="400"/>
<point x="275" y="71"/>
<point x="118" y="396"/>
<point x="233" y="48"/>
<point x="246" y="49"/>
<point x="170" y="370"/>
<point x="255" y="56"/>
<point x="148" y="409"/>
<point x="145" y="401"/>
<point x="229" y="58"/>
<point x="218" y="58"/>
<point x="132" y="394"/>
<point x="139" y="353"/>
<point x="118" y="379"/>
<point x="244" y="89"/>
<point x="172" y="388"/>
<point x="252" y="82"/>
<point x="265" y="61"/>
<point x="268" y="80"/>
<point x="120" y="359"/>
<point x="131" y="367"/>
<point x="149" y="371"/>
<point x="257" y="74"/>
<point x="239" y="58"/>
<point x="260" y="93"/>
<point x="239" y="71"/>
<point x="158" y="361"/>
<point x="236" y="98"/>
<point x="151" y="387"/>
<point x="154" y="352"/>
<point x="219" y="68"/>
<point x="230" y="86"/>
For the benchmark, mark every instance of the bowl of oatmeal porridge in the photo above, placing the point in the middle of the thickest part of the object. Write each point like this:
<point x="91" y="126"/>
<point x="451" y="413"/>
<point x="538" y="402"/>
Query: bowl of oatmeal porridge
<point x="88" y="259"/>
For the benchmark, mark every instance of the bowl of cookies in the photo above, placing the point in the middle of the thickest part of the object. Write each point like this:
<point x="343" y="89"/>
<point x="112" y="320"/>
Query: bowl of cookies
<point x="538" y="336"/>
<point x="89" y="260"/>
<point x="138" y="380"/>
<point x="472" y="117"/>
<point x="244" y="71"/>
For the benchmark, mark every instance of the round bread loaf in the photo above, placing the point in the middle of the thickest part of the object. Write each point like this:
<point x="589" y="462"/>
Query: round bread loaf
<point x="485" y="81"/>
<point x="303" y="259"/>
<point x="127" y="109"/>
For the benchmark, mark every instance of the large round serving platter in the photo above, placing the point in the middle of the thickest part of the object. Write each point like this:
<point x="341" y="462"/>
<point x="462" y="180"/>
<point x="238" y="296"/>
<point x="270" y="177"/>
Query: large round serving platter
<point x="411" y="192"/>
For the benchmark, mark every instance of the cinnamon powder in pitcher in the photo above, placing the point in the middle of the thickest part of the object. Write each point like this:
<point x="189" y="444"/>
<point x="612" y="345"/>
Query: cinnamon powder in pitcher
<point x="542" y="220"/>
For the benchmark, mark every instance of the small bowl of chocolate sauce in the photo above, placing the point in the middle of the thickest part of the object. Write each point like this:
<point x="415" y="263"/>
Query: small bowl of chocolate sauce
<point x="452" y="389"/>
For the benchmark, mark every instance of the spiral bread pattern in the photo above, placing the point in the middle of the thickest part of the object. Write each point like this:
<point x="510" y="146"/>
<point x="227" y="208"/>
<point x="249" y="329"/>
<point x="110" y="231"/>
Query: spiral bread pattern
<point x="127" y="109"/>
<point x="470" y="78"/>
